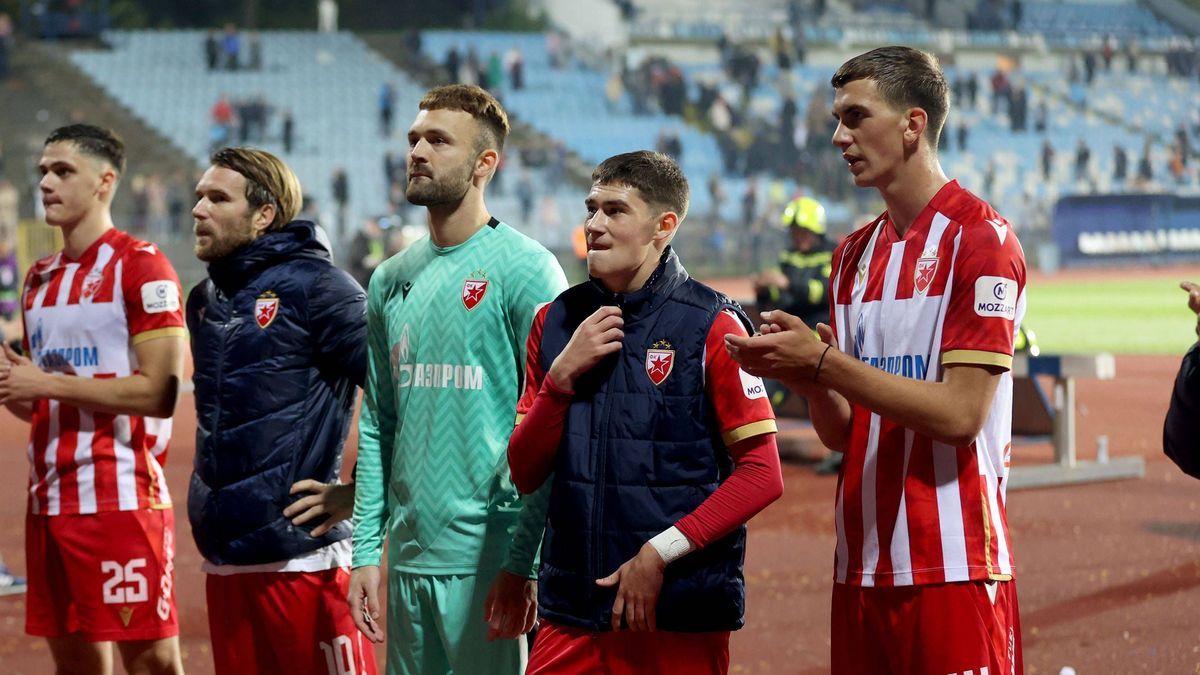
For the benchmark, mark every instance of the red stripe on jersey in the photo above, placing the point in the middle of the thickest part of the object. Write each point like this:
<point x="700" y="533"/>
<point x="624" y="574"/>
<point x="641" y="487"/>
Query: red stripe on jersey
<point x="104" y="457"/>
<point x="921" y="504"/>
<point x="33" y="282"/>
<point x="68" y="442"/>
<point x="39" y="438"/>
<point x="889" y="462"/>
<point x="852" y="508"/>
<point x="51" y="296"/>
<point x="141" y="470"/>
<point x="108" y="282"/>
<point x="85" y="266"/>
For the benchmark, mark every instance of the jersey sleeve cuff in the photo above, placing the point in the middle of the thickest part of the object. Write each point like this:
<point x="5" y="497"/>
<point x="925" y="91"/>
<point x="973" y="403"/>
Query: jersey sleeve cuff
<point x="749" y="430"/>
<point x="169" y="331"/>
<point x="978" y="358"/>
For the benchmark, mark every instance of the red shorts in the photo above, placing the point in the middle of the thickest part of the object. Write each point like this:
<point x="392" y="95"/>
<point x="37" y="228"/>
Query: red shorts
<point x="969" y="627"/>
<point x="105" y="576"/>
<point x="568" y="650"/>
<point x="285" y="622"/>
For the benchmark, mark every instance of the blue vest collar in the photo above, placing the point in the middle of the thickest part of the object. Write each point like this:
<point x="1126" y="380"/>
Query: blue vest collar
<point x="643" y="302"/>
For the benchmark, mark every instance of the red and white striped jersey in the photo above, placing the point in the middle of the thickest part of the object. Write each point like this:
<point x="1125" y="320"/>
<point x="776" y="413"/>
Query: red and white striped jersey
<point x="84" y="317"/>
<point x="911" y="510"/>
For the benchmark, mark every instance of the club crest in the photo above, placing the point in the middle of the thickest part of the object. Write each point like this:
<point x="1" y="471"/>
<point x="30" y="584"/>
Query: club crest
<point x="473" y="291"/>
<point x="660" y="360"/>
<point x="923" y="276"/>
<point x="266" y="308"/>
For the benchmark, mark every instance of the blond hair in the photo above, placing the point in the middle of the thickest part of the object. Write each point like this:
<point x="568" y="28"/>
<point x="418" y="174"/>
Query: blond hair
<point x="268" y="181"/>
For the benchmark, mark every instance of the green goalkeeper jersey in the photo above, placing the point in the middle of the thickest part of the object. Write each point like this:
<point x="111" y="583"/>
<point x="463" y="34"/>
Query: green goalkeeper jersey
<point x="446" y="330"/>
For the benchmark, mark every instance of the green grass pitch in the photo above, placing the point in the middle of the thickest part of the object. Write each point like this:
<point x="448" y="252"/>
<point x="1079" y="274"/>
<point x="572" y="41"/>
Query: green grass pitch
<point x="1146" y="316"/>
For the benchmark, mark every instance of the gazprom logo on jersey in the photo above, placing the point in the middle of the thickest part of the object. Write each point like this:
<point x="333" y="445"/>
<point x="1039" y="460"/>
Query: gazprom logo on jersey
<point x="431" y="375"/>
<point x="907" y="365"/>
<point x="62" y="359"/>
<point x="996" y="296"/>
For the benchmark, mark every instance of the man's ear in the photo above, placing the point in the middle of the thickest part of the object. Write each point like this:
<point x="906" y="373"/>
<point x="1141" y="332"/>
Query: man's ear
<point x="263" y="217"/>
<point x="665" y="227"/>
<point x="917" y="120"/>
<point x="486" y="163"/>
<point x="108" y="183"/>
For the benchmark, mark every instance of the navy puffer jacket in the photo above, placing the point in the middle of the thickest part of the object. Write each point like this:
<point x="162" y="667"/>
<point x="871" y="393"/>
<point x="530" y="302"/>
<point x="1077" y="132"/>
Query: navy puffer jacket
<point x="279" y="344"/>
<point x="636" y="456"/>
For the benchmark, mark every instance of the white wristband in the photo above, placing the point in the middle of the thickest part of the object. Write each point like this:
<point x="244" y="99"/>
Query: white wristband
<point x="671" y="544"/>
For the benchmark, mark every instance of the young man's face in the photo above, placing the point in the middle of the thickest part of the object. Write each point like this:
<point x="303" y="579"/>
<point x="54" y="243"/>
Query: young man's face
<point x="224" y="221"/>
<point x="870" y="133"/>
<point x="620" y="228"/>
<point x="441" y="157"/>
<point x="73" y="183"/>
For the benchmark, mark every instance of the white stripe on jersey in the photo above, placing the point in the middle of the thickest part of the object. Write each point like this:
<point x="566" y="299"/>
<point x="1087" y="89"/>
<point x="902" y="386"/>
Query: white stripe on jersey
<point x="64" y="288"/>
<point x="901" y="555"/>
<point x="161" y="429"/>
<point x="870" y="510"/>
<point x="53" y="504"/>
<point x="85" y="469"/>
<point x="950" y="512"/>
<point x="126" y="463"/>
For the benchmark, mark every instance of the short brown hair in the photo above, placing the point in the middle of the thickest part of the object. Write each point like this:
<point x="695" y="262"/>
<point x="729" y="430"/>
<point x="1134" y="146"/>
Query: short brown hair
<point x="268" y="181"/>
<point x="905" y="77"/>
<point x="92" y="141"/>
<point x="656" y="176"/>
<point x="487" y="111"/>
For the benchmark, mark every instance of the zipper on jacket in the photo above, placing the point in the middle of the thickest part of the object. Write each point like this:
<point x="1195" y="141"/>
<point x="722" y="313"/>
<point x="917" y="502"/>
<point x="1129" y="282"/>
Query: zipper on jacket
<point x="601" y="470"/>
<point x="223" y="332"/>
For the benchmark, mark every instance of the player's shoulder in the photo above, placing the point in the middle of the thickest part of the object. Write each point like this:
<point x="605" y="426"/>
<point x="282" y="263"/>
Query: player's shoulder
<point x="135" y="251"/>
<point x="519" y="242"/>
<point x="982" y="227"/>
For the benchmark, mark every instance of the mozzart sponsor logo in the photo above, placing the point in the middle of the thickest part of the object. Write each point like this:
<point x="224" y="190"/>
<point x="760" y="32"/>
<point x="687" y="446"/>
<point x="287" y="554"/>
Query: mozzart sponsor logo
<point x="996" y="296"/>
<point x="431" y="375"/>
<point x="1152" y="241"/>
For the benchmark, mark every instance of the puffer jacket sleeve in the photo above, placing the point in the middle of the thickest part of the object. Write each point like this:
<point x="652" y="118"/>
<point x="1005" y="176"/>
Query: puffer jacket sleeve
<point x="1181" y="430"/>
<point x="338" y="322"/>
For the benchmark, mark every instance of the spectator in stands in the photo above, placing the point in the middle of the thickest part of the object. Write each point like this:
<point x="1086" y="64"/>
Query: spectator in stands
<point x="1089" y="66"/>
<point x="1083" y="161"/>
<point x="1145" y="171"/>
<point x="1001" y="90"/>
<point x="1041" y="116"/>
<point x="340" y="189"/>
<point x="452" y="59"/>
<point x="1018" y="108"/>
<point x="254" y="51"/>
<point x="367" y="250"/>
<point x="495" y="71"/>
<point x="327" y="16"/>
<point x="1047" y="159"/>
<point x="525" y="195"/>
<point x="1176" y="166"/>
<point x="212" y="50"/>
<point x="1184" y="142"/>
<point x="963" y="136"/>
<point x="387" y="105"/>
<point x="6" y="32"/>
<point x="1181" y="430"/>
<point x="716" y="196"/>
<point x="1108" y="49"/>
<point x="515" y="64"/>
<point x="1131" y="55"/>
<point x="231" y="47"/>
<point x="1120" y="165"/>
<point x="288" y="132"/>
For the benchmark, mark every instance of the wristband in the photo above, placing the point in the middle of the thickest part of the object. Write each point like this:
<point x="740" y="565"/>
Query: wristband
<point x="671" y="544"/>
<point x="817" y="372"/>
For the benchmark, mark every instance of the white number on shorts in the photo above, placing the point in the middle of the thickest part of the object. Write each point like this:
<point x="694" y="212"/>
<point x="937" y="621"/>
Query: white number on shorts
<point x="125" y="585"/>
<point x="339" y="656"/>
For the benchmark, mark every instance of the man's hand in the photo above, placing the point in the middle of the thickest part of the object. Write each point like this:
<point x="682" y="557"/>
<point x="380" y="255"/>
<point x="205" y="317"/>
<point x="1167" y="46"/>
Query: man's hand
<point x="334" y="500"/>
<point x="20" y="380"/>
<point x="1193" y="292"/>
<point x="786" y="349"/>
<point x="638" y="583"/>
<point x="364" y="602"/>
<point x="771" y="279"/>
<point x="511" y="606"/>
<point x="598" y="336"/>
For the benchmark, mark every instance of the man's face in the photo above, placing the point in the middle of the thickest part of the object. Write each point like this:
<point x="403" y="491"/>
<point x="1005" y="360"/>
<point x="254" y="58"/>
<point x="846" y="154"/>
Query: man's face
<point x="224" y="221"/>
<point x="73" y="183"/>
<point x="620" y="228"/>
<point x="802" y="240"/>
<point x="441" y="157"/>
<point x="870" y="133"/>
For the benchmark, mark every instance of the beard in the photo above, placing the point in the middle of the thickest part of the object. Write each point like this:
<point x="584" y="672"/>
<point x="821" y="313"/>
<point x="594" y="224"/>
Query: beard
<point x="224" y="242"/>
<point x="434" y="191"/>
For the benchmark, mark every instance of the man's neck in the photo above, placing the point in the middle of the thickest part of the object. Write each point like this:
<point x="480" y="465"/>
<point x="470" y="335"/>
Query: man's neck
<point x="452" y="224"/>
<point x="79" y="236"/>
<point x="633" y="281"/>
<point x="911" y="191"/>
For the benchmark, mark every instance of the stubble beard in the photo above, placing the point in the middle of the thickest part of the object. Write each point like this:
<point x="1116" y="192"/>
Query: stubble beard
<point x="435" y="191"/>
